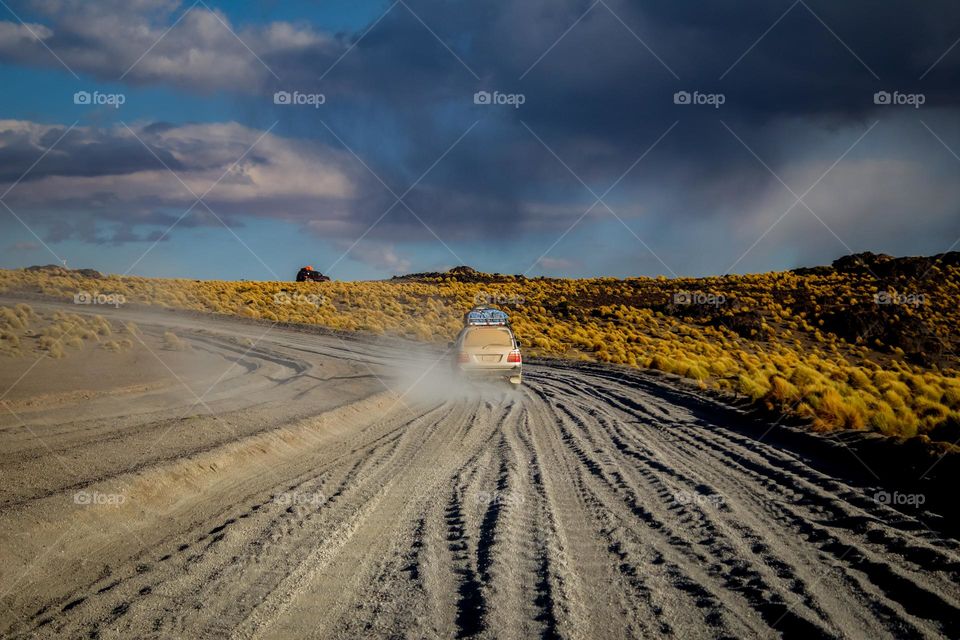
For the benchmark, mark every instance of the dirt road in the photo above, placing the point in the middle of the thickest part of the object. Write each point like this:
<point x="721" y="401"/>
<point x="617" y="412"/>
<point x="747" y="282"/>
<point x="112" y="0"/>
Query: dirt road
<point x="269" y="483"/>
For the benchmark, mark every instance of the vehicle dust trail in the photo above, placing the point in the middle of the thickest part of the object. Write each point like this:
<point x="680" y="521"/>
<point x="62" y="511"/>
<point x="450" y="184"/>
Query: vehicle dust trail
<point x="353" y="489"/>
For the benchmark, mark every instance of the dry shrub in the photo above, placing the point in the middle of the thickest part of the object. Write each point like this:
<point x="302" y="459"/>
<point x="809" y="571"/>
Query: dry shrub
<point x="782" y="391"/>
<point x="951" y="397"/>
<point x="51" y="346"/>
<point x="753" y="386"/>
<point x="833" y="411"/>
<point x="102" y="326"/>
<point x="173" y="342"/>
<point x="9" y="319"/>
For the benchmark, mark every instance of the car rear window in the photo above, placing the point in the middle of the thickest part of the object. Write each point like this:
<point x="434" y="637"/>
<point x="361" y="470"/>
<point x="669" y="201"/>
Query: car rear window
<point x="488" y="337"/>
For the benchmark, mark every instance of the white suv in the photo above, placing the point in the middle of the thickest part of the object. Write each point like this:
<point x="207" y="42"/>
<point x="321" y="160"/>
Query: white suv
<point x="487" y="347"/>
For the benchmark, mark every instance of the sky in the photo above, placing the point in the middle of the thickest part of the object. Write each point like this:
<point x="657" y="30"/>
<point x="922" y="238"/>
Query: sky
<point x="566" y="138"/>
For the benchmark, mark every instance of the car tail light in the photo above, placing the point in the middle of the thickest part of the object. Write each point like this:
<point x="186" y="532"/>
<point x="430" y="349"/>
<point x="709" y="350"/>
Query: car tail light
<point x="463" y="357"/>
<point x="514" y="356"/>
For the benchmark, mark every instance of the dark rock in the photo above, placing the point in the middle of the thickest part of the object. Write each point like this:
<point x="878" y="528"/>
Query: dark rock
<point x="463" y="270"/>
<point x="744" y="323"/>
<point x="861" y="261"/>
<point x="55" y="269"/>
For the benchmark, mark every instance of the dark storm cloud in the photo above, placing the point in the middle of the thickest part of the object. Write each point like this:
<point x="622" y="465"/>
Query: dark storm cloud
<point x="600" y="98"/>
<point x="77" y="152"/>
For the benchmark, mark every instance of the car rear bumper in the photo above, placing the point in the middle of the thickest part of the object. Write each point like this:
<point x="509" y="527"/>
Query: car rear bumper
<point x="489" y="372"/>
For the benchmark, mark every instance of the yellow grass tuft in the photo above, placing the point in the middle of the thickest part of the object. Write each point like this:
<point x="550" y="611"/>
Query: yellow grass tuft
<point x="173" y="342"/>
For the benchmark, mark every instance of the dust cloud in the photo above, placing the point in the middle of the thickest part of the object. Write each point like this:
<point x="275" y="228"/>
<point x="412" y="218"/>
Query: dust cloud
<point x="428" y="377"/>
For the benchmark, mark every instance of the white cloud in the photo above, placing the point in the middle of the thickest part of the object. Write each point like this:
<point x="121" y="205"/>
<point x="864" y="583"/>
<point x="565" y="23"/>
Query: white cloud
<point x="380" y="256"/>
<point x="109" y="39"/>
<point x="557" y="264"/>
<point x="108" y="174"/>
<point x="14" y="35"/>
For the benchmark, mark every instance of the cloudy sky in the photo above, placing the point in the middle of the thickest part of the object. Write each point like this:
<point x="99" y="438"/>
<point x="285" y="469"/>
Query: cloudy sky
<point x="234" y="140"/>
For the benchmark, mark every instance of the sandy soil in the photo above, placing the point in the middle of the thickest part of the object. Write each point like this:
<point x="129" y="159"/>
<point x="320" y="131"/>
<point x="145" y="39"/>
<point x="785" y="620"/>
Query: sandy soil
<point x="272" y="483"/>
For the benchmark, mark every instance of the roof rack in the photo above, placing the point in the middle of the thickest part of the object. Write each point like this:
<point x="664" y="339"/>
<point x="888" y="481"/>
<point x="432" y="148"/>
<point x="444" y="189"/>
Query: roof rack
<point x="485" y="316"/>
